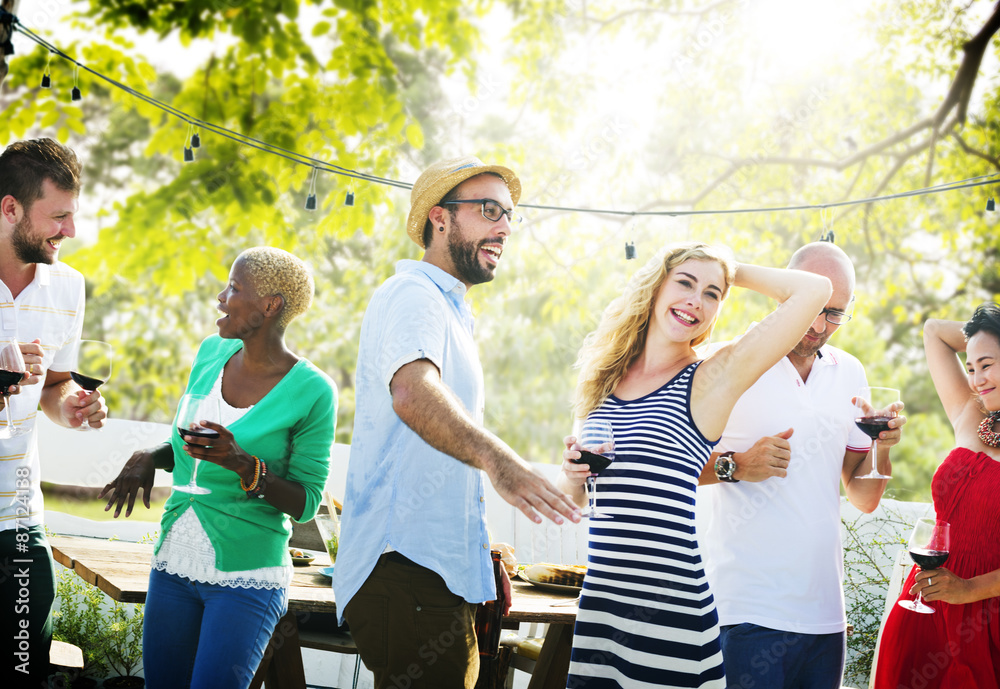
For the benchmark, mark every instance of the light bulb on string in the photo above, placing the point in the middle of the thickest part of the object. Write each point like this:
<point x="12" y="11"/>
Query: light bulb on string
<point x="311" y="198"/>
<point x="47" y="74"/>
<point x="990" y="205"/>
<point x="76" y="95"/>
<point x="195" y="140"/>
<point x="188" y="150"/>
<point x="349" y="199"/>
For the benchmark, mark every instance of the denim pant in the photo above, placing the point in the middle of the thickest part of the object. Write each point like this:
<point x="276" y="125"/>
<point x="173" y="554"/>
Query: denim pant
<point x="27" y="592"/>
<point x="760" y="658"/>
<point x="205" y="635"/>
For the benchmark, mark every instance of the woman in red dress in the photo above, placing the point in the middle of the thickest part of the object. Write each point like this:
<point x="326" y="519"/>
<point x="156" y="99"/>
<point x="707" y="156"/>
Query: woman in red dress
<point x="958" y="646"/>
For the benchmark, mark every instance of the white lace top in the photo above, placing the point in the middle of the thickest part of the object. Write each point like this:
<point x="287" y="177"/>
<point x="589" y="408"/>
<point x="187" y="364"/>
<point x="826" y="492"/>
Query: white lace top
<point x="188" y="552"/>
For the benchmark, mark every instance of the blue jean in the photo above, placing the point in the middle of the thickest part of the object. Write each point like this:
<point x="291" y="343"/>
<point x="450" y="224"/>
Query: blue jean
<point x="760" y="658"/>
<point x="205" y="635"/>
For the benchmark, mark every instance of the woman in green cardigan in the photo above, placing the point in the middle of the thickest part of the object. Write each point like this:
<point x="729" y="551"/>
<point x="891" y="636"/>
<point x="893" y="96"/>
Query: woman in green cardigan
<point x="221" y="568"/>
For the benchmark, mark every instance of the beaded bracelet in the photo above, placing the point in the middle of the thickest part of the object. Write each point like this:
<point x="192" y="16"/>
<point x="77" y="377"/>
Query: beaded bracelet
<point x="256" y="475"/>
<point x="257" y="491"/>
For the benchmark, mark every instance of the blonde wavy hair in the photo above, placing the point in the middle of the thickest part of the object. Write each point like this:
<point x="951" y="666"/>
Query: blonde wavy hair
<point x="609" y="350"/>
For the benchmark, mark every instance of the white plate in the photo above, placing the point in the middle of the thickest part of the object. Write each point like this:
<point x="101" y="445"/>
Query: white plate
<point x="533" y="573"/>
<point x="307" y="556"/>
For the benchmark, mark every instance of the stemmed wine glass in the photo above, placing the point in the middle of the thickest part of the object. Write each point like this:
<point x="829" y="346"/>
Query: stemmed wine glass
<point x="92" y="369"/>
<point x="929" y="547"/>
<point x="872" y="411"/>
<point x="192" y="411"/>
<point x="11" y="372"/>
<point x="597" y="441"/>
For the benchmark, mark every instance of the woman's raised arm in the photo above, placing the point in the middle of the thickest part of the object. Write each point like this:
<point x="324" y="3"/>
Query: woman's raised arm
<point x="729" y="372"/>
<point x="943" y="340"/>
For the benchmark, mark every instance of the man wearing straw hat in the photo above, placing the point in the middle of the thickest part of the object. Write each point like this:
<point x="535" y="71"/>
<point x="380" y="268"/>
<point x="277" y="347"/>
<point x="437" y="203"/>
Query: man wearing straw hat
<point x="414" y="557"/>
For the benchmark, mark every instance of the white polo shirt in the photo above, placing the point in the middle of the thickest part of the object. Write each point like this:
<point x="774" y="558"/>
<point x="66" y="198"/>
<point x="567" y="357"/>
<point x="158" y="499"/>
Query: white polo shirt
<point x="772" y="549"/>
<point x="49" y="309"/>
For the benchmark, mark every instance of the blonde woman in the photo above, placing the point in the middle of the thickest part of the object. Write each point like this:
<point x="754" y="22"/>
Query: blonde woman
<point x="646" y="615"/>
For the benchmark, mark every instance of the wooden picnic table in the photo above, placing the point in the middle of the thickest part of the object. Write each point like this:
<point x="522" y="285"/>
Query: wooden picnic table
<point x="121" y="570"/>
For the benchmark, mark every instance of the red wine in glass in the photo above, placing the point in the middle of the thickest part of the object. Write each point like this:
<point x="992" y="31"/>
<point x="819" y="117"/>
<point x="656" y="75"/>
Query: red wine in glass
<point x="92" y="368"/>
<point x="597" y="450"/>
<point x="8" y="379"/>
<point x="873" y="409"/>
<point x="596" y="462"/>
<point x="191" y="412"/>
<point x="198" y="432"/>
<point x="929" y="546"/>
<point x="12" y="367"/>
<point x="929" y="559"/>
<point x="86" y="382"/>
<point x="873" y="425"/>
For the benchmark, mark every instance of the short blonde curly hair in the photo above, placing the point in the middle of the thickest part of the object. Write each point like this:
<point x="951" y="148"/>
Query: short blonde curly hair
<point x="275" y="271"/>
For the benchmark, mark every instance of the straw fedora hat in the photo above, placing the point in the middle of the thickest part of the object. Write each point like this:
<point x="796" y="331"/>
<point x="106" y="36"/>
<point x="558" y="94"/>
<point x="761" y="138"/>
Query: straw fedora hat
<point x="442" y="177"/>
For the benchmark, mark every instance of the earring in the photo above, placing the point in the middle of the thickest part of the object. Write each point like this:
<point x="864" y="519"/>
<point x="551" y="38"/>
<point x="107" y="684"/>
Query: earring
<point x="441" y="229"/>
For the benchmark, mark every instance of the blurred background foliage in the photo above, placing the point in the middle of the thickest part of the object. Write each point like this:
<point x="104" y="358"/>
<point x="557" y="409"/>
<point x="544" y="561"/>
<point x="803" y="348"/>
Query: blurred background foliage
<point x="657" y="105"/>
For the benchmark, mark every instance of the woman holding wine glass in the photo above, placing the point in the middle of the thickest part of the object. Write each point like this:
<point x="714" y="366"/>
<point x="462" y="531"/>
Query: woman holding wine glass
<point x="221" y="568"/>
<point x="958" y="644"/>
<point x="646" y="615"/>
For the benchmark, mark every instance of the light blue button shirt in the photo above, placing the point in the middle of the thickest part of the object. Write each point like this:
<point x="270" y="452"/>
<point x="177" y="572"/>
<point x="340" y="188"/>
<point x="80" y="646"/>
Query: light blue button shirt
<point x="401" y="492"/>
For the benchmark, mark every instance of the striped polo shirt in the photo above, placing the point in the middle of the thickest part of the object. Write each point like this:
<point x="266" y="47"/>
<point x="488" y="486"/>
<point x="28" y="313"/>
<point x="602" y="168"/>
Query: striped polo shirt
<point x="49" y="309"/>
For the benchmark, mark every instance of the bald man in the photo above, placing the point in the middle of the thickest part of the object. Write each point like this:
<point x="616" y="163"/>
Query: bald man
<point x="772" y="548"/>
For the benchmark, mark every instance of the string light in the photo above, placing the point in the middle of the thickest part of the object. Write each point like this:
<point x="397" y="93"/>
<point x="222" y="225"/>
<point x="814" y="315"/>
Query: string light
<point x="188" y="150"/>
<point x="298" y="158"/>
<point x="990" y="206"/>
<point x="47" y="74"/>
<point x="311" y="199"/>
<point x="76" y="95"/>
<point x="195" y="140"/>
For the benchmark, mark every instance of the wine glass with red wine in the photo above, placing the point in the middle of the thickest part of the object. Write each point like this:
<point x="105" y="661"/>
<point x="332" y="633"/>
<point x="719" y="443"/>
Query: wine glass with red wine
<point x="92" y="369"/>
<point x="193" y="410"/>
<point x="11" y="372"/>
<point x="929" y="547"/>
<point x="597" y="443"/>
<point x="873" y="408"/>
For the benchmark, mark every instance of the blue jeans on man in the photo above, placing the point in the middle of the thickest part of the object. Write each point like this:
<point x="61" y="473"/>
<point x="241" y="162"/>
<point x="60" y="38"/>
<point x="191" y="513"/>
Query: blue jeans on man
<point x="756" y="657"/>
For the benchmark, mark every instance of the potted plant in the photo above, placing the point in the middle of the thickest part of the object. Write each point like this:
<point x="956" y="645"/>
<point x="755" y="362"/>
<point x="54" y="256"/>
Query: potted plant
<point x="123" y="646"/>
<point x="79" y="621"/>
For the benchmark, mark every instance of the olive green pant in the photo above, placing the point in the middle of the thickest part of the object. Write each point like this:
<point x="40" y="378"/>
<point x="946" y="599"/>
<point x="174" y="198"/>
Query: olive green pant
<point x="411" y="631"/>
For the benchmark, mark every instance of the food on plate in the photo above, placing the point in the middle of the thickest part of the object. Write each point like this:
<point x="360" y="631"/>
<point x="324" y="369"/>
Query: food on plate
<point x="563" y="575"/>
<point x="508" y="557"/>
<point x="296" y="553"/>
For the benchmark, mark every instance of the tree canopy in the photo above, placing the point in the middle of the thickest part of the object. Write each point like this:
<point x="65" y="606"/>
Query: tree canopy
<point x="649" y="105"/>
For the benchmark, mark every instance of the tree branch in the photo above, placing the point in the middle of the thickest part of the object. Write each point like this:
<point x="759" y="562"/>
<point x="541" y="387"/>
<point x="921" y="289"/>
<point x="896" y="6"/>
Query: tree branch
<point x="992" y="160"/>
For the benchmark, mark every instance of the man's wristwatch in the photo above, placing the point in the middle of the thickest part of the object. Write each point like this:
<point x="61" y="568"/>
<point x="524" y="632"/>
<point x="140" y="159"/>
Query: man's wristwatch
<point x="725" y="467"/>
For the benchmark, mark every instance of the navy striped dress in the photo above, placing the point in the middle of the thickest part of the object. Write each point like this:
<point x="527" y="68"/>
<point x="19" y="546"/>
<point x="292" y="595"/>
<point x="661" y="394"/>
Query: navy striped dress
<point x="647" y="617"/>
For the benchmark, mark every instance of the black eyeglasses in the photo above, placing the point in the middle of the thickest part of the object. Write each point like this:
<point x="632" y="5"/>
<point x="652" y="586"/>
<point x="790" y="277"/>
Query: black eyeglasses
<point x="835" y="317"/>
<point x="492" y="210"/>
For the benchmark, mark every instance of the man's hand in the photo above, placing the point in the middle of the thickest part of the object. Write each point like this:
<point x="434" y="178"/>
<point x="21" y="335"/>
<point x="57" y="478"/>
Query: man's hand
<point x="32" y="354"/>
<point x="137" y="473"/>
<point x="769" y="456"/>
<point x="527" y="491"/>
<point x="887" y="439"/>
<point x="84" y="406"/>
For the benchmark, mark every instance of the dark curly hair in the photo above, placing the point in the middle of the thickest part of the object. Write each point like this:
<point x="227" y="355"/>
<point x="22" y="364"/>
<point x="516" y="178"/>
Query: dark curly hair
<point x="985" y="319"/>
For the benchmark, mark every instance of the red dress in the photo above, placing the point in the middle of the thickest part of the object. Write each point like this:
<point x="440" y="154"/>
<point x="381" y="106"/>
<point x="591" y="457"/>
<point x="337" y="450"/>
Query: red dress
<point x="957" y="647"/>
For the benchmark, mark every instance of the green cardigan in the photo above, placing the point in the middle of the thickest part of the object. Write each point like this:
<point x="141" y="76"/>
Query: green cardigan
<point x="291" y="429"/>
